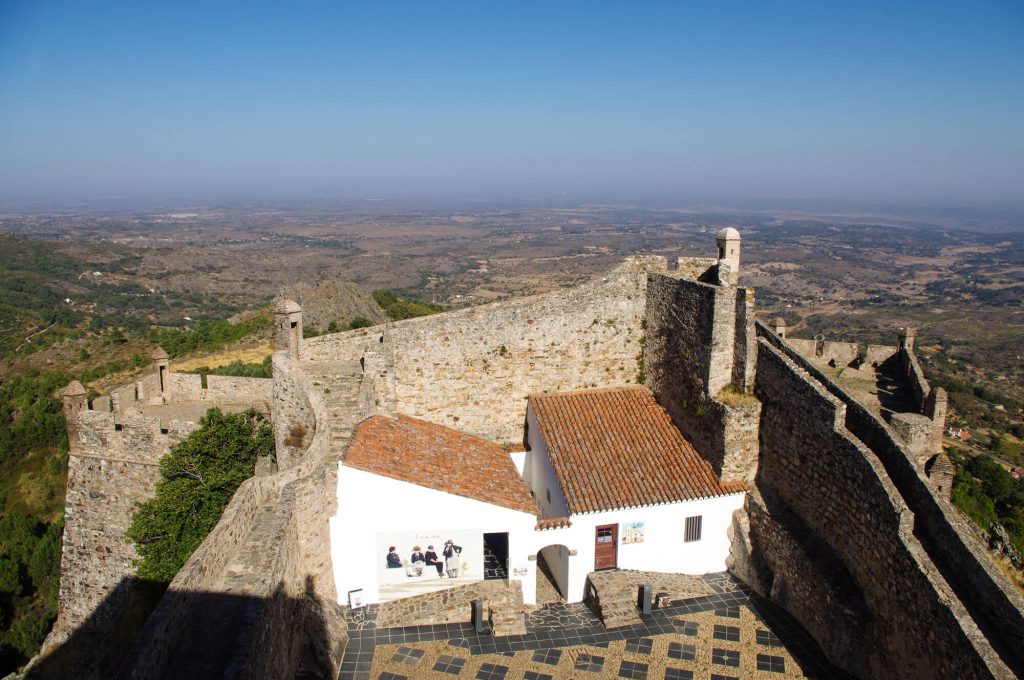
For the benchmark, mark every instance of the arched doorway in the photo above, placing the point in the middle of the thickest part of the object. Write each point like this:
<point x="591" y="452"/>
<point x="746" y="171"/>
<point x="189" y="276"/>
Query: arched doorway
<point x="552" y="574"/>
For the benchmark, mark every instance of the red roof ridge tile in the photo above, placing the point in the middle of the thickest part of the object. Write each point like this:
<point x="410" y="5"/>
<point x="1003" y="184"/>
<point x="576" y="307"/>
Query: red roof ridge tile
<point x="585" y="390"/>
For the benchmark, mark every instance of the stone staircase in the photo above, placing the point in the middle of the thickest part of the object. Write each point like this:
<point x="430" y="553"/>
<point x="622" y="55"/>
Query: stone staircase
<point x="340" y="383"/>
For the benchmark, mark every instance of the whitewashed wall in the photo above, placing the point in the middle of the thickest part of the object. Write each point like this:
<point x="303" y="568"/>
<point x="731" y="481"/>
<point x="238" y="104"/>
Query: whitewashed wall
<point x="540" y="475"/>
<point x="663" y="548"/>
<point x="369" y="504"/>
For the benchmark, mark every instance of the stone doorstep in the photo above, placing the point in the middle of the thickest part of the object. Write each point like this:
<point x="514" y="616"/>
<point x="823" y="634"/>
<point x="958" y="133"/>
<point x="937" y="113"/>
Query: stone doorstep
<point x="504" y="621"/>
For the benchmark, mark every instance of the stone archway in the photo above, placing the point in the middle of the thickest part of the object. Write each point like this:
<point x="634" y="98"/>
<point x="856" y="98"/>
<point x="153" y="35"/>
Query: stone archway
<point x="552" y="574"/>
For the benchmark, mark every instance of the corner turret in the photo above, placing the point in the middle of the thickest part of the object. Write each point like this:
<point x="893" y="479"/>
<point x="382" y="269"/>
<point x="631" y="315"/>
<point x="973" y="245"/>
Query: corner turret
<point x="728" y="241"/>
<point x="905" y="339"/>
<point x="74" y="400"/>
<point x="288" y="327"/>
<point x="162" y="367"/>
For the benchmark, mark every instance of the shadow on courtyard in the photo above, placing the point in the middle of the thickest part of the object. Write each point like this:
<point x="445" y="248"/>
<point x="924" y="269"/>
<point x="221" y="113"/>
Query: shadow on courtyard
<point x="135" y="633"/>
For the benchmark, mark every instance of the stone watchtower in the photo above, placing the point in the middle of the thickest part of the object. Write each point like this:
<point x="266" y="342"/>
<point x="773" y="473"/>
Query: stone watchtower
<point x="73" y="398"/>
<point x="728" y="240"/>
<point x="162" y="366"/>
<point x="288" y="327"/>
<point x="779" y="326"/>
<point x="905" y="339"/>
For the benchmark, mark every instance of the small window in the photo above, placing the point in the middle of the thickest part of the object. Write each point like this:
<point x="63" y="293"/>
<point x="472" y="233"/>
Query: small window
<point x="118" y="427"/>
<point x="693" y="528"/>
<point x="549" y="495"/>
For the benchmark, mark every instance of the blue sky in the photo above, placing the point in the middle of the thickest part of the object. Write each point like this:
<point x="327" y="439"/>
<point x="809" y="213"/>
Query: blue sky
<point x="590" y="100"/>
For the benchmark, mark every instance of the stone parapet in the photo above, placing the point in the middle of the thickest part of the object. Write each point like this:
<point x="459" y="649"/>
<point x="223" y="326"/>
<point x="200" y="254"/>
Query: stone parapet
<point x="842" y="493"/>
<point x="451" y="605"/>
<point x="995" y="604"/>
<point x="784" y="561"/>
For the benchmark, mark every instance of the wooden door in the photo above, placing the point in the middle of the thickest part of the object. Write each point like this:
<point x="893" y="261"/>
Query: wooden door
<point x="606" y="545"/>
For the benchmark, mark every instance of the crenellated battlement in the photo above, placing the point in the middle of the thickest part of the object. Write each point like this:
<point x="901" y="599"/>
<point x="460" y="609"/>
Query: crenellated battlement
<point x="116" y="442"/>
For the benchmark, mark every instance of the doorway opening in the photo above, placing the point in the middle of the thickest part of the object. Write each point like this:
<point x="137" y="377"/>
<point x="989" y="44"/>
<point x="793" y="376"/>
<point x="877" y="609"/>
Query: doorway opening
<point x="496" y="556"/>
<point x="552" y="574"/>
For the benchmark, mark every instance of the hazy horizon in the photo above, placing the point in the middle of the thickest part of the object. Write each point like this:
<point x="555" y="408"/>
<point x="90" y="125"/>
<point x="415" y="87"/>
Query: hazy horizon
<point x="865" y="103"/>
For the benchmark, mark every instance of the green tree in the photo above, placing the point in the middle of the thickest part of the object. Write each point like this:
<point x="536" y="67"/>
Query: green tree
<point x="237" y="368"/>
<point x="198" y="478"/>
<point x="968" y="495"/>
<point x="27" y="633"/>
<point x="44" y="565"/>
<point x="18" y="536"/>
<point x="359" y="322"/>
<point x="397" y="308"/>
<point x="10" y="577"/>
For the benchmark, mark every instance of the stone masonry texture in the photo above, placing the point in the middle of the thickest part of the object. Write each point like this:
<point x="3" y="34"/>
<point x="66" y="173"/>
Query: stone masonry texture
<point x="840" y="527"/>
<point x="843" y="495"/>
<point x="472" y="369"/>
<point x="690" y="355"/>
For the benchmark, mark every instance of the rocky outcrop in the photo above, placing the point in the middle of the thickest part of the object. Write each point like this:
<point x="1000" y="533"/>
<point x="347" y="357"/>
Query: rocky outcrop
<point x="333" y="301"/>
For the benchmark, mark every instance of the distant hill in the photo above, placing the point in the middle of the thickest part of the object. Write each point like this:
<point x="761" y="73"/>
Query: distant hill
<point x="337" y="302"/>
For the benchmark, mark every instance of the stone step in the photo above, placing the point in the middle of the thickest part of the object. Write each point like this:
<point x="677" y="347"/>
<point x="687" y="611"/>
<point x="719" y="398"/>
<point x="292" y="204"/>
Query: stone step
<point x="505" y="621"/>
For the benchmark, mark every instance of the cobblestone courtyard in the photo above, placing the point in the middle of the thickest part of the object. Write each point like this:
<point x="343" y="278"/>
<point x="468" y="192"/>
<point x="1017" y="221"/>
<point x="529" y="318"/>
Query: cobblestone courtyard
<point x="730" y="634"/>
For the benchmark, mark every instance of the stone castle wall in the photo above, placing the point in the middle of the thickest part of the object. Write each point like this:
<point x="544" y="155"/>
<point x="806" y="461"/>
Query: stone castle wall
<point x="948" y="535"/>
<point x="451" y="605"/>
<point x="294" y="396"/>
<point x="471" y="369"/>
<point x="111" y="470"/>
<point x="843" y="495"/>
<point x="116" y="444"/>
<point x="919" y="430"/>
<point x="783" y="560"/>
<point x="291" y="614"/>
<point x="162" y="636"/>
<point x="691" y="354"/>
<point x="219" y="389"/>
<point x="931" y="402"/>
<point x="842" y="353"/>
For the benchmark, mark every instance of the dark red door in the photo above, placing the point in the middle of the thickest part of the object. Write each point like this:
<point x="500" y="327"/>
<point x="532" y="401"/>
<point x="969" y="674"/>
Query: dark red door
<point x="606" y="546"/>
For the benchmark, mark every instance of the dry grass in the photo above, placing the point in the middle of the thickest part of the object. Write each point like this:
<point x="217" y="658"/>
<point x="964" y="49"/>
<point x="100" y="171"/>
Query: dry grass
<point x="247" y="355"/>
<point x="730" y="395"/>
<point x="1013" y="575"/>
<point x="296" y="435"/>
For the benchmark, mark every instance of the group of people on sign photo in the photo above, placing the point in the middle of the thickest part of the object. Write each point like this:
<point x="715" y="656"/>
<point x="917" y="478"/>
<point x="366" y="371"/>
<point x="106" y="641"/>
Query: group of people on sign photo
<point x="447" y="563"/>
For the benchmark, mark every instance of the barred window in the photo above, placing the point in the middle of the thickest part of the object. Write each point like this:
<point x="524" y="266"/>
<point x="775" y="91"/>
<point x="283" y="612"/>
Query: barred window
<point x="693" y="527"/>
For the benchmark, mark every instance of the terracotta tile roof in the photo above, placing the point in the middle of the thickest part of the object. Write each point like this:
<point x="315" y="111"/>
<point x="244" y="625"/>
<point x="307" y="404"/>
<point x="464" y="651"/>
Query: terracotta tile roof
<point x="440" y="458"/>
<point x="617" y="448"/>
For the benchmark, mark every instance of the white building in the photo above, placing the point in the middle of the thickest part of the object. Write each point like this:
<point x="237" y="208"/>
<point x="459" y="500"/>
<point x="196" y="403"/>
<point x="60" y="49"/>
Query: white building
<point x="626" y="490"/>
<point x="607" y="481"/>
<point x="405" y="483"/>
